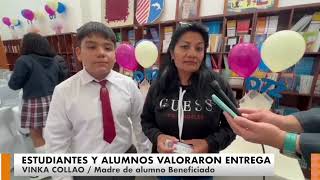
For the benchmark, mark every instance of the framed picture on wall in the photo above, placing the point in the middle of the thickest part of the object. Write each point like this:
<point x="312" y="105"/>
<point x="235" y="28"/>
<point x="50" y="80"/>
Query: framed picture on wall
<point x="188" y="9"/>
<point x="236" y="6"/>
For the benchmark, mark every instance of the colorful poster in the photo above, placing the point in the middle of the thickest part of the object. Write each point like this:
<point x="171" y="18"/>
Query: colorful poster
<point x="249" y="5"/>
<point x="148" y="11"/>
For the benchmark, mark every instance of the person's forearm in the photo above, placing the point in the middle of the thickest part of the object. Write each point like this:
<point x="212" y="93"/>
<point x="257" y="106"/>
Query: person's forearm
<point x="290" y="124"/>
<point x="279" y="142"/>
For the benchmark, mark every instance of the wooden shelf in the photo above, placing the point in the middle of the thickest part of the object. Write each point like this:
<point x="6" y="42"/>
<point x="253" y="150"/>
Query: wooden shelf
<point x="295" y="93"/>
<point x="242" y="14"/>
<point x="212" y="17"/>
<point x="64" y="45"/>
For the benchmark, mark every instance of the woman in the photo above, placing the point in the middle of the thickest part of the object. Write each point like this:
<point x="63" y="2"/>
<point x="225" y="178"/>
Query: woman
<point x="37" y="73"/>
<point x="182" y="95"/>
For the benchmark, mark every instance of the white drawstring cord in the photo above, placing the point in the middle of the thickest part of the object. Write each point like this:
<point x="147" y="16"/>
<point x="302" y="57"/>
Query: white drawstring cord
<point x="180" y="112"/>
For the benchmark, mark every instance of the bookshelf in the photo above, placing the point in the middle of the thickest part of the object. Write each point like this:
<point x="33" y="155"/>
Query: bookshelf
<point x="12" y="49"/>
<point x="3" y="57"/>
<point x="286" y="17"/>
<point x="63" y="44"/>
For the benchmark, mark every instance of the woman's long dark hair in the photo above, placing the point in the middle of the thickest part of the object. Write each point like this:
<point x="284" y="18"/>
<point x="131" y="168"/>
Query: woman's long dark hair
<point x="169" y="79"/>
<point x="33" y="43"/>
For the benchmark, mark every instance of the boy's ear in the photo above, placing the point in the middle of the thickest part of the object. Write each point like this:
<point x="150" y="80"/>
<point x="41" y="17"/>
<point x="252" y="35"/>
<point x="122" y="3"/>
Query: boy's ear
<point x="78" y="53"/>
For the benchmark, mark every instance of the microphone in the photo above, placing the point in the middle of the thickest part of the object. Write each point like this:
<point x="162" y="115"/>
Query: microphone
<point x="218" y="91"/>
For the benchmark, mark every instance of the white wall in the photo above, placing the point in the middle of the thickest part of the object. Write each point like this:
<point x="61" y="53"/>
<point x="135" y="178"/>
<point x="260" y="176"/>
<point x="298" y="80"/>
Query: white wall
<point x="82" y="11"/>
<point x="211" y="7"/>
<point x="216" y="7"/>
<point x="283" y="3"/>
<point x="91" y="10"/>
<point x="12" y="9"/>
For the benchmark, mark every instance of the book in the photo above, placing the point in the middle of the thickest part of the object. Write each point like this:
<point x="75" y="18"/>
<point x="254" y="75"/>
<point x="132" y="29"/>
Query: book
<point x="231" y="28"/>
<point x="244" y="38"/>
<point x="316" y="16"/>
<point x="312" y="41"/>
<point x="261" y="25"/>
<point x="230" y="43"/>
<point x="317" y="87"/>
<point x="131" y="37"/>
<point x="305" y="66"/>
<point x="165" y="45"/>
<point x="272" y="24"/>
<point x="168" y="30"/>
<point x="243" y="26"/>
<point x="215" y="42"/>
<point x="315" y="22"/>
<point x="302" y="23"/>
<point x="214" y="27"/>
<point x="305" y="84"/>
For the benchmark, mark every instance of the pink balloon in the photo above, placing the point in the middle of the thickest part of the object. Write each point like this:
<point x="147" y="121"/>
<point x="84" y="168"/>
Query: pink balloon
<point x="6" y="21"/>
<point x="244" y="59"/>
<point x="125" y="57"/>
<point x="28" y="14"/>
<point x="50" y="11"/>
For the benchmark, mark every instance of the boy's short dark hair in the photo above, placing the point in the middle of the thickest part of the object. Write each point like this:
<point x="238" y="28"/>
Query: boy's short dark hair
<point x="91" y="28"/>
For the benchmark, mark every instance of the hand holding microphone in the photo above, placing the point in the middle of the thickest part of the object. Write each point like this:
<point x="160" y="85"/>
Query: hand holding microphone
<point x="222" y="100"/>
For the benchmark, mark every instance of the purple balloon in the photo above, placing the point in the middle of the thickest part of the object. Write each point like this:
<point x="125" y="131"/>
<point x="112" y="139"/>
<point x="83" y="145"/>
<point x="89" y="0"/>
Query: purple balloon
<point x="6" y="21"/>
<point x="244" y="59"/>
<point x="125" y="57"/>
<point x="28" y="14"/>
<point x="50" y="11"/>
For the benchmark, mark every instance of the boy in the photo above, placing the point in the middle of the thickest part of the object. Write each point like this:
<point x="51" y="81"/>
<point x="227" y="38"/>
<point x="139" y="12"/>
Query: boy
<point x="90" y="112"/>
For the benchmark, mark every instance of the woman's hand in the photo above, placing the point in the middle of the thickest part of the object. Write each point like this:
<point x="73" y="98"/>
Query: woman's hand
<point x="161" y="147"/>
<point x="285" y="123"/>
<point x="257" y="132"/>
<point x="198" y="145"/>
<point x="262" y="116"/>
